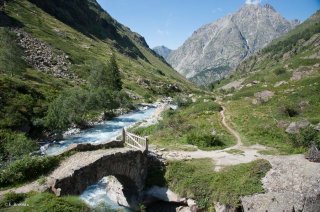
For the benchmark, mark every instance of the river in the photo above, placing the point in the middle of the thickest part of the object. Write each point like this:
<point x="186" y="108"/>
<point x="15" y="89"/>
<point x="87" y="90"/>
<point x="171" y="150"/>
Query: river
<point x="96" y="196"/>
<point x="103" y="132"/>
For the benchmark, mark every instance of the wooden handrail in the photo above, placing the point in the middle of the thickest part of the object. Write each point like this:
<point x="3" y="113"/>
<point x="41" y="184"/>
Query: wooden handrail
<point x="135" y="141"/>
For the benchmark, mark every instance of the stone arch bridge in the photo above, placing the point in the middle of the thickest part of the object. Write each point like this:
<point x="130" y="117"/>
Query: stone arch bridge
<point x="83" y="169"/>
<point x="128" y="165"/>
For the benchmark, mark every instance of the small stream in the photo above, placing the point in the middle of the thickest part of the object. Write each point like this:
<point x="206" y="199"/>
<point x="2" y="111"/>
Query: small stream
<point x="96" y="196"/>
<point x="104" y="132"/>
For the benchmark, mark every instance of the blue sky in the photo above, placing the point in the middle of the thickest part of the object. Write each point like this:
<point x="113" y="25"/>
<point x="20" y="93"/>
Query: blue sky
<point x="171" y="22"/>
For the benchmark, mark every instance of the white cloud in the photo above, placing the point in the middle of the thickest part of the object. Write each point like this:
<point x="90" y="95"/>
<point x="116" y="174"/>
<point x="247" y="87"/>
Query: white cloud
<point x="255" y="2"/>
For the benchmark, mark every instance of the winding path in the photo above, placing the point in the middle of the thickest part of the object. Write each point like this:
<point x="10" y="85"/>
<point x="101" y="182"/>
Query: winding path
<point x="232" y="131"/>
<point x="223" y="157"/>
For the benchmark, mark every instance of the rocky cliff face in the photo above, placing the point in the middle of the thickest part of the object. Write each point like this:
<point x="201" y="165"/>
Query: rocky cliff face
<point x="162" y="51"/>
<point x="216" y="49"/>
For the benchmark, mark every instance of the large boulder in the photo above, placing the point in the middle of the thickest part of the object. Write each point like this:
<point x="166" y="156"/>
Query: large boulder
<point x="115" y="192"/>
<point x="294" y="127"/>
<point x="291" y="185"/>
<point x="313" y="154"/>
<point x="262" y="97"/>
<point x="301" y="73"/>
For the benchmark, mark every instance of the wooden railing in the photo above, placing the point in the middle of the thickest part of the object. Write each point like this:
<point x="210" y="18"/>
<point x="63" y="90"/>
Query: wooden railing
<point x="135" y="141"/>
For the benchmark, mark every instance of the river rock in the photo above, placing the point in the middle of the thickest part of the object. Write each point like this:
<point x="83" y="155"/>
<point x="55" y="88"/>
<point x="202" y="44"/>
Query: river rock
<point x="71" y="131"/>
<point x="164" y="194"/>
<point x="115" y="192"/>
<point x="186" y="209"/>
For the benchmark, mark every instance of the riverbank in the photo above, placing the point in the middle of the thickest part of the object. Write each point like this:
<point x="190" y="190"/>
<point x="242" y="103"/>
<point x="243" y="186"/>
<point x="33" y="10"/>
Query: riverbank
<point x="103" y="132"/>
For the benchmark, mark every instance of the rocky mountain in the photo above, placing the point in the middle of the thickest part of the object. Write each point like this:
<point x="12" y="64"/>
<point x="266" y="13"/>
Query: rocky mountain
<point x="162" y="51"/>
<point x="214" y="50"/>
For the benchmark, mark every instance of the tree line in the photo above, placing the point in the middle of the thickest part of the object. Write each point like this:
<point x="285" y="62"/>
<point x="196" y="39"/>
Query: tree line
<point x="103" y="93"/>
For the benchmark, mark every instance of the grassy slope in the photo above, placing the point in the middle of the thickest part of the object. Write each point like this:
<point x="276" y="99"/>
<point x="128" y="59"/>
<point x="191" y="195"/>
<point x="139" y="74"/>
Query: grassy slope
<point x="196" y="179"/>
<point x="75" y="44"/>
<point x="27" y="96"/>
<point x="258" y="123"/>
<point x="190" y="124"/>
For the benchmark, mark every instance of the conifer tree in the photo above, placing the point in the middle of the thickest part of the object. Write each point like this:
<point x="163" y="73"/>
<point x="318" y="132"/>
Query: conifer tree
<point x="114" y="74"/>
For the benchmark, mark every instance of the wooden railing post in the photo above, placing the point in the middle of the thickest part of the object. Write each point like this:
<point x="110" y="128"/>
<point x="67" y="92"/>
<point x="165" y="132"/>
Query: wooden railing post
<point x="147" y="144"/>
<point x="135" y="141"/>
<point x="123" y="136"/>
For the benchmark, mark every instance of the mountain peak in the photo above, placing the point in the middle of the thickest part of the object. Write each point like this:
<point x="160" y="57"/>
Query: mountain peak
<point x="215" y="49"/>
<point x="163" y="51"/>
<point x="252" y="2"/>
<point x="269" y="6"/>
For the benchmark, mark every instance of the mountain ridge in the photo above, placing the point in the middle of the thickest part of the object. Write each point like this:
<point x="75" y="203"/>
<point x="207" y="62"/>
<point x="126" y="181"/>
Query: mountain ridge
<point x="227" y="41"/>
<point x="163" y="51"/>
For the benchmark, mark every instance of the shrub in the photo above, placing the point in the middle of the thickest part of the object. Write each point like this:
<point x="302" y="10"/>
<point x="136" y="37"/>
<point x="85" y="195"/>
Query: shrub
<point x="305" y="138"/>
<point x="14" y="145"/>
<point x="11" y="198"/>
<point x="43" y="202"/>
<point x="27" y="168"/>
<point x="279" y="71"/>
<point x="73" y="105"/>
<point x="143" y="131"/>
<point x="201" y="107"/>
<point x="68" y="108"/>
<point x="106" y="76"/>
<point x="182" y="102"/>
<point x="203" y="139"/>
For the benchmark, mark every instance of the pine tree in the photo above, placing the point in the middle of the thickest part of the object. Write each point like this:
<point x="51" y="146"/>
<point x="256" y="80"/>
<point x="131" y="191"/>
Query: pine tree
<point x="114" y="75"/>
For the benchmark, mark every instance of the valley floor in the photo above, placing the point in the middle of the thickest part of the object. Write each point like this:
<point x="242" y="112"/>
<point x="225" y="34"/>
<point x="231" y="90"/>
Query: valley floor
<point x="290" y="184"/>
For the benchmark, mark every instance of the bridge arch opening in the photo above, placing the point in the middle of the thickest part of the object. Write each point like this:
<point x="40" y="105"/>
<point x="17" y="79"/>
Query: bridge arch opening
<point x="117" y="191"/>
